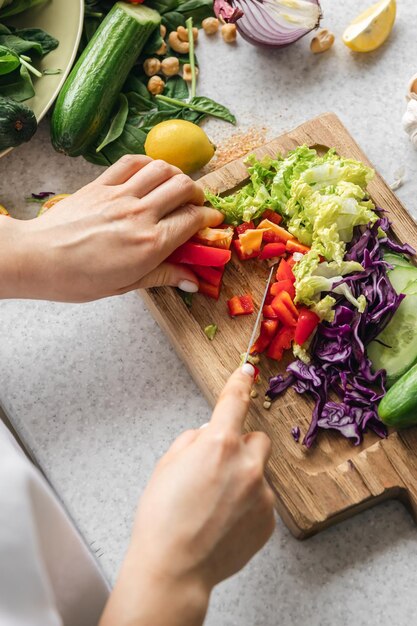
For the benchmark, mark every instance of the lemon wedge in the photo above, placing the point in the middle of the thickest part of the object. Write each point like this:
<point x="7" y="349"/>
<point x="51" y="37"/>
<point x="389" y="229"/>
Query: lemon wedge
<point x="372" y="27"/>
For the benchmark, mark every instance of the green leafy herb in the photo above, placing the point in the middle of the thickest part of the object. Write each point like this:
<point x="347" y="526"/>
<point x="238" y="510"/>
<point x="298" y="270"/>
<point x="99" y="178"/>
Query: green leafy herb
<point x="17" y="85"/>
<point x="18" y="6"/>
<point x="9" y="60"/>
<point x="202" y="105"/>
<point x="117" y="123"/>
<point x="210" y="331"/>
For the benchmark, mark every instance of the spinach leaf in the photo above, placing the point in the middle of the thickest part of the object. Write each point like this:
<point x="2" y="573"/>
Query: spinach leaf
<point x="17" y="85"/>
<point x="198" y="10"/>
<point x="9" y="60"/>
<point x="18" y="45"/>
<point x="153" y="44"/>
<point x="147" y="121"/>
<point x="176" y="87"/>
<point x="201" y="104"/>
<point x="18" y="6"/>
<point x="117" y="123"/>
<point x="137" y="104"/>
<point x="131" y="141"/>
<point x="97" y="158"/>
<point x="172" y="20"/>
<point x="41" y="41"/>
<point x="163" y="6"/>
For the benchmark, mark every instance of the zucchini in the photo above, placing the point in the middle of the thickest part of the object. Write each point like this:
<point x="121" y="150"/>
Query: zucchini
<point x="91" y="90"/>
<point x="17" y="123"/>
<point x="395" y="349"/>
<point x="399" y="405"/>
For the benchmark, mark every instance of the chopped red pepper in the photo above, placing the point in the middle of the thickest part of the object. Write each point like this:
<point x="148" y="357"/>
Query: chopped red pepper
<point x="293" y="245"/>
<point x="285" y="309"/>
<point x="271" y="216"/>
<point x="212" y="291"/>
<point x="244" y="227"/>
<point x="240" y="305"/>
<point x="283" y="234"/>
<point x="242" y="255"/>
<point x="267" y="332"/>
<point x="291" y="261"/>
<point x="268" y="312"/>
<point x="270" y="237"/>
<point x="272" y="250"/>
<point x="215" y="237"/>
<point x="211" y="275"/>
<point x="284" y="271"/>
<point x="281" y="341"/>
<point x="307" y="323"/>
<point x="195" y="254"/>
<point x="283" y="285"/>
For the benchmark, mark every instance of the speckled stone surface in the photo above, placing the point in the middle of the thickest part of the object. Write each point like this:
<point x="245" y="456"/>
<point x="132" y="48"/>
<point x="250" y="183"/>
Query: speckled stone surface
<point x="99" y="394"/>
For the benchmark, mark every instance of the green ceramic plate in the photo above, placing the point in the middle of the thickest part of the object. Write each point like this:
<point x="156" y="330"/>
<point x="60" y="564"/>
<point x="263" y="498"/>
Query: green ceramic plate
<point x="64" y="20"/>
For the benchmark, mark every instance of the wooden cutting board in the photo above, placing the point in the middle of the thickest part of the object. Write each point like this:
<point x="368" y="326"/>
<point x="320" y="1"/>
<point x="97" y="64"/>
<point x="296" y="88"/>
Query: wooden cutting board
<point x="333" y="480"/>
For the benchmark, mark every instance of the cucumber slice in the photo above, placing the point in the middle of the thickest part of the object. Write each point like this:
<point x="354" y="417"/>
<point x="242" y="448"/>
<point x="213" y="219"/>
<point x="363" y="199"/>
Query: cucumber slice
<point x="400" y="336"/>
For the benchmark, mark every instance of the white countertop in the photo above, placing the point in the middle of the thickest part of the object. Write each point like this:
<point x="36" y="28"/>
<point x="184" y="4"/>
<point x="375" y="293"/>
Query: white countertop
<point x="98" y="393"/>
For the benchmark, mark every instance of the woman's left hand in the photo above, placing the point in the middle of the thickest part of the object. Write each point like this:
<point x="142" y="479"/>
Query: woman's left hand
<point x="110" y="237"/>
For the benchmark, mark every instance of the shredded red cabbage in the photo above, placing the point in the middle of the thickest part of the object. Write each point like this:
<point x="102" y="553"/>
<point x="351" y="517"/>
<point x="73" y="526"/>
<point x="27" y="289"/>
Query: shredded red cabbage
<point x="42" y="195"/>
<point x="340" y="368"/>
<point x="227" y="12"/>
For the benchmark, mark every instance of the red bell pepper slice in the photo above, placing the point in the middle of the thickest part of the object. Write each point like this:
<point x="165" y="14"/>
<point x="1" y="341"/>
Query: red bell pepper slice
<point x="284" y="272"/>
<point x="291" y="261"/>
<point x="306" y="324"/>
<point x="283" y="285"/>
<point x="269" y="313"/>
<point x="267" y="332"/>
<point x="242" y="255"/>
<point x="285" y="309"/>
<point x="240" y="305"/>
<point x="244" y="227"/>
<point x="293" y="245"/>
<point x="270" y="237"/>
<point x="272" y="250"/>
<point x="211" y="275"/>
<point x="273" y="217"/>
<point x="195" y="254"/>
<point x="212" y="291"/>
<point x="281" y="341"/>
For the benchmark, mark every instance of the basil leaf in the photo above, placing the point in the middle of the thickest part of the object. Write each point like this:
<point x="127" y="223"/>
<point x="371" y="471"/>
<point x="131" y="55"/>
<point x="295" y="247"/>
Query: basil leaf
<point x="209" y="106"/>
<point x="137" y="103"/>
<point x="117" y="123"/>
<point x="153" y="44"/>
<point x="134" y="84"/>
<point x="176" y="87"/>
<point x="172" y="20"/>
<point x="197" y="9"/>
<point x="163" y="6"/>
<point x="97" y="158"/>
<point x="9" y="60"/>
<point x="147" y="121"/>
<point x="131" y="141"/>
<point x="17" y="85"/>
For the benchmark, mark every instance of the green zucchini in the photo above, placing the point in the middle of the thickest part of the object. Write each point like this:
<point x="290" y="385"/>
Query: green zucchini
<point x="93" y="86"/>
<point x="17" y="123"/>
<point x="399" y="405"/>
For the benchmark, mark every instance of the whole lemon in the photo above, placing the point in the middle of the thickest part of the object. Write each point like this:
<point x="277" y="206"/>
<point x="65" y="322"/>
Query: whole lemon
<point x="180" y="143"/>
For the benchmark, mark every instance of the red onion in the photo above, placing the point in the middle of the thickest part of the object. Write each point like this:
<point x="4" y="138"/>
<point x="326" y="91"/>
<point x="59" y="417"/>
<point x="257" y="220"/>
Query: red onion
<point x="276" y="23"/>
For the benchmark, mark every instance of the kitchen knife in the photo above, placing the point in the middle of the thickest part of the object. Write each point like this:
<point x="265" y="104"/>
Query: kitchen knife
<point x="258" y="317"/>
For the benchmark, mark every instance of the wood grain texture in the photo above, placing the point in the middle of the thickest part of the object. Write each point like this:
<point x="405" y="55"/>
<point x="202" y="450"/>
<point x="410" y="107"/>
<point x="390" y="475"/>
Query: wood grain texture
<point x="333" y="480"/>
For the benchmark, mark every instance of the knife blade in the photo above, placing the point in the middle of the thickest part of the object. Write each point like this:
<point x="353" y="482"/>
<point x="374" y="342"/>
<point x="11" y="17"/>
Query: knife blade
<point x="258" y="317"/>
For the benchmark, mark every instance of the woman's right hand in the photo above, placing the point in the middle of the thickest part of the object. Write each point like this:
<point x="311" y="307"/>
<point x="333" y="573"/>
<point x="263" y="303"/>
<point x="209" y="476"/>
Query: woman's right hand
<point x="205" y="512"/>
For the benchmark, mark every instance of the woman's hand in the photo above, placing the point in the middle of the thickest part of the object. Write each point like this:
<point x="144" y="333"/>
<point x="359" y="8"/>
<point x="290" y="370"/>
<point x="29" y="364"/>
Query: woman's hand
<point x="205" y="512"/>
<point x="108" y="238"/>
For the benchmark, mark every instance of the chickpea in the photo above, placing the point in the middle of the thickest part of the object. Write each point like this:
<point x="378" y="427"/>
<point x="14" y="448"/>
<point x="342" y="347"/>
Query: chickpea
<point x="182" y="47"/>
<point x="267" y="405"/>
<point x="183" y="33"/>
<point x="163" y="31"/>
<point x="229" y="33"/>
<point x="210" y="25"/>
<point x="322" y="41"/>
<point x="186" y="72"/>
<point x="170" y="66"/>
<point x="156" y="85"/>
<point x="162" y="50"/>
<point x="152" y="66"/>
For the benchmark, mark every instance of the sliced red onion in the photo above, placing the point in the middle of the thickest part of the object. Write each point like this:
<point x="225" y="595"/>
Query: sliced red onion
<point x="276" y="23"/>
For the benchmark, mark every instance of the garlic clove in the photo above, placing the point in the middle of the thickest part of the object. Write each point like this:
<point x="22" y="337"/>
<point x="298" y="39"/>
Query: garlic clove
<point x="410" y="121"/>
<point x="412" y="88"/>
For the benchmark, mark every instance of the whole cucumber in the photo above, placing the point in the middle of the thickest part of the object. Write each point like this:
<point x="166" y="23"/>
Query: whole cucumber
<point x="91" y="90"/>
<point x="399" y="406"/>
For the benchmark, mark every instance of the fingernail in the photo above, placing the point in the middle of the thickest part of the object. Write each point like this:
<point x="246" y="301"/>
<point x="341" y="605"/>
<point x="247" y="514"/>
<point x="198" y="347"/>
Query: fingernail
<point x="188" y="286"/>
<point x="248" y="369"/>
<point x="204" y="425"/>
